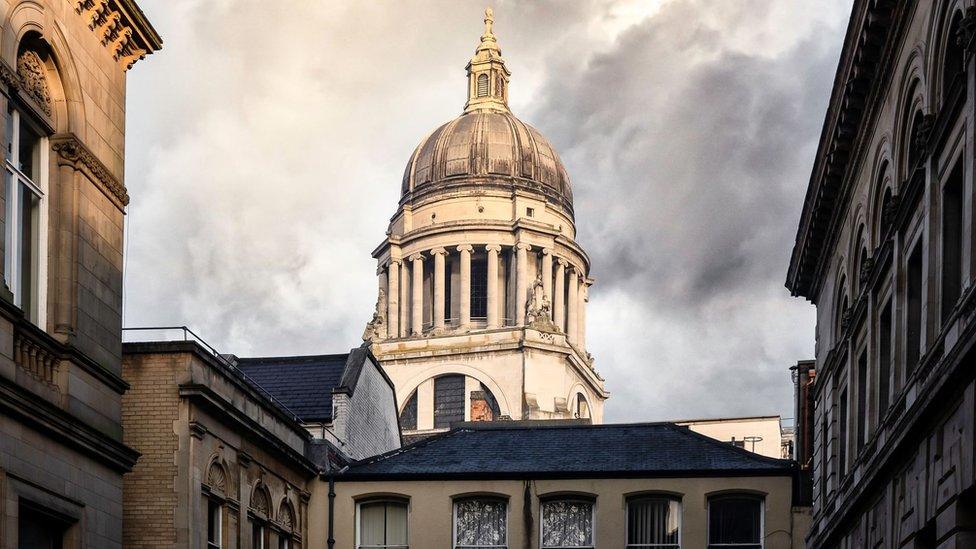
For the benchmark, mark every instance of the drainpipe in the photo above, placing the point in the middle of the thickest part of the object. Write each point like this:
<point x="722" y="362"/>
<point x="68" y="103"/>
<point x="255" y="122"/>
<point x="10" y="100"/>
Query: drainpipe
<point x="332" y="496"/>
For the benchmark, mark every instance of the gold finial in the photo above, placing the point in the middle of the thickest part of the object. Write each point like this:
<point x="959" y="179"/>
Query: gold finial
<point x="489" y="21"/>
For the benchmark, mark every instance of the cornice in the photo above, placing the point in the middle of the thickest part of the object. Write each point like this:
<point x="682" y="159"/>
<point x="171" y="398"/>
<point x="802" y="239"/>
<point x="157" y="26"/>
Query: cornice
<point x="865" y="64"/>
<point x="121" y="27"/>
<point x="71" y="150"/>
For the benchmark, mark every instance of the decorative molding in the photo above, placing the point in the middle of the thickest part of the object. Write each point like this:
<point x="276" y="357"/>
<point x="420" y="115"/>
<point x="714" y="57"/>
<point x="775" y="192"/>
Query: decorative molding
<point x="9" y="76"/>
<point x="121" y="28"/>
<point x="217" y="476"/>
<point x="30" y="70"/>
<point x="71" y="149"/>
<point x="197" y="430"/>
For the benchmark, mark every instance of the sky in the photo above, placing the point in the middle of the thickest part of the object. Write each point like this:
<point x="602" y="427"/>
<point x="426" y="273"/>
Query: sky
<point x="266" y="142"/>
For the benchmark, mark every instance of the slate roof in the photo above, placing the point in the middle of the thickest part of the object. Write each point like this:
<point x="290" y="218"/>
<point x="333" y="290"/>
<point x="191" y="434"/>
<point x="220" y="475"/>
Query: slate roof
<point x="303" y="384"/>
<point x="566" y="450"/>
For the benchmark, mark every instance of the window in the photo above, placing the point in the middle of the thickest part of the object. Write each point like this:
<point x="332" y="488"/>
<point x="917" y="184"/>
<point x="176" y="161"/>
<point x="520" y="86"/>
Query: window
<point x="284" y="542"/>
<point x="862" y="398"/>
<point x="914" y="297"/>
<point x="653" y="522"/>
<point x="482" y="85"/>
<point x="530" y="212"/>
<point x="735" y="521"/>
<point x="382" y="524"/>
<point x="448" y="401"/>
<point x="479" y="288"/>
<point x="25" y="162"/>
<point x="258" y="535"/>
<point x="952" y="241"/>
<point x="408" y="417"/>
<point x="38" y="529"/>
<point x="214" y="520"/>
<point x="567" y="523"/>
<point x="842" y="435"/>
<point x="582" y="407"/>
<point x="884" y="358"/>
<point x="480" y="523"/>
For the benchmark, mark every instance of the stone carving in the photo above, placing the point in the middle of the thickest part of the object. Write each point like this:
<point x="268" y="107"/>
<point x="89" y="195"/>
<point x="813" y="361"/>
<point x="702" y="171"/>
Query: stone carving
<point x="113" y="30"/>
<point x="867" y="265"/>
<point x="260" y="501"/>
<point x="538" y="311"/>
<point x="31" y="71"/>
<point x="72" y="150"/>
<point x="374" y="328"/>
<point x="286" y="516"/>
<point x="217" y="477"/>
<point x="9" y="76"/>
<point x="967" y="31"/>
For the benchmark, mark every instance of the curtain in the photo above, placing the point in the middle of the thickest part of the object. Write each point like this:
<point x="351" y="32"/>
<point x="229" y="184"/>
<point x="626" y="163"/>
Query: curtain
<point x="480" y="523"/>
<point x="735" y="519"/>
<point x="653" y="521"/>
<point x="383" y="524"/>
<point x="567" y="523"/>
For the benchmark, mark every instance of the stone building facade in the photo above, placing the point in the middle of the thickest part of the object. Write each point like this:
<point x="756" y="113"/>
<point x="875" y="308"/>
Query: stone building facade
<point x="482" y="285"/>
<point x="885" y="250"/>
<point x="63" y="66"/>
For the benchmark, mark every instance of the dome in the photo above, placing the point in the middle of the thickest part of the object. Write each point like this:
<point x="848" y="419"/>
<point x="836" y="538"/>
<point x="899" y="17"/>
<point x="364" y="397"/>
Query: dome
<point x="487" y="148"/>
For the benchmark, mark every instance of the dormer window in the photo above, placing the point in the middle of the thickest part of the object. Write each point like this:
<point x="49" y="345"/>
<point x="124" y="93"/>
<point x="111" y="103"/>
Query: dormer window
<point x="24" y="186"/>
<point x="482" y="85"/>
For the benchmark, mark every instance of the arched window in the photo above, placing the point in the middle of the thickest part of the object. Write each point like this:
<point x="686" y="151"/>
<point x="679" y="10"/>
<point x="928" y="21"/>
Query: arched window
<point x="448" y="401"/>
<point x="408" y="417"/>
<point x="841" y="312"/>
<point x="481" y="522"/>
<point x="735" y="520"/>
<point x="953" y="59"/>
<point x="653" y="521"/>
<point x="382" y="524"/>
<point x="581" y="408"/>
<point x="454" y="398"/>
<point x="886" y="214"/>
<point x="483" y="85"/>
<point x="567" y="523"/>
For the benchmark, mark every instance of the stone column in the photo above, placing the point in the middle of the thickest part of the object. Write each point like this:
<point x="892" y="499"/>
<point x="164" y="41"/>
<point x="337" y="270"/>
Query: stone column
<point x="417" y="301"/>
<point x="547" y="273"/>
<point x="439" y="255"/>
<point x="559" y="300"/>
<point x="521" y="281"/>
<point x="493" y="250"/>
<point x="393" y="298"/>
<point x="405" y="291"/>
<point x="572" y="330"/>
<point x="381" y="301"/>
<point x="465" y="289"/>
<point x="584" y="299"/>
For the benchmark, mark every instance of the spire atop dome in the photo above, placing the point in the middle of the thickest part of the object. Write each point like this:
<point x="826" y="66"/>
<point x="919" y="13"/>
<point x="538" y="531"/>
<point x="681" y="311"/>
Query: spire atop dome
<point x="487" y="74"/>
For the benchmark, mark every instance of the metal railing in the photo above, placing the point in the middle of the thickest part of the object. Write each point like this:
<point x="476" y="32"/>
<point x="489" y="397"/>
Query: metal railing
<point x="186" y="334"/>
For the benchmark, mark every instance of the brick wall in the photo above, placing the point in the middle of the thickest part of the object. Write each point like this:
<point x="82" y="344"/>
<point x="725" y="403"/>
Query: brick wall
<point x="150" y="409"/>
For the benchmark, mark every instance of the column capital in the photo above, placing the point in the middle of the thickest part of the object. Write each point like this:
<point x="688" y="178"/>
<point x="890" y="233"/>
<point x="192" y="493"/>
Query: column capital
<point x="523" y="246"/>
<point x="438" y="251"/>
<point x="493" y="248"/>
<point x="546" y="251"/>
<point x="465" y="248"/>
<point x="416" y="256"/>
<point x="562" y="262"/>
<point x="396" y="262"/>
<point x="381" y="268"/>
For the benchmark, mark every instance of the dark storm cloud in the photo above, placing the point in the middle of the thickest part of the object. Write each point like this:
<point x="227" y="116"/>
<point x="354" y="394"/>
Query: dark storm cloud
<point x="262" y="178"/>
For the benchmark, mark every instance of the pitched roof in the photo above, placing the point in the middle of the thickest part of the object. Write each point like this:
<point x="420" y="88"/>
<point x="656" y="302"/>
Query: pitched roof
<point x="303" y="384"/>
<point x="567" y="449"/>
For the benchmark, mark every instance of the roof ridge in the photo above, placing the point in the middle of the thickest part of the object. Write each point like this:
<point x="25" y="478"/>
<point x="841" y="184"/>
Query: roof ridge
<point x="518" y="425"/>
<point x="426" y="441"/>
<point x="728" y="447"/>
<point x="293" y="357"/>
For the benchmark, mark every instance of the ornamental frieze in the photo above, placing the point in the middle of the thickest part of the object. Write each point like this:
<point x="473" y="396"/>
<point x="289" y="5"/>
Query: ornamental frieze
<point x="115" y="29"/>
<point x="71" y="149"/>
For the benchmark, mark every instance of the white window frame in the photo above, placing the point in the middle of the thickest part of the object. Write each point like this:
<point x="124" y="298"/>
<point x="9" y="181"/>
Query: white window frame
<point x="454" y="506"/>
<point x="359" y="523"/>
<point x="38" y="314"/>
<point x="219" y="524"/>
<point x="665" y="497"/>
<point x="762" y="519"/>
<point x="542" y="506"/>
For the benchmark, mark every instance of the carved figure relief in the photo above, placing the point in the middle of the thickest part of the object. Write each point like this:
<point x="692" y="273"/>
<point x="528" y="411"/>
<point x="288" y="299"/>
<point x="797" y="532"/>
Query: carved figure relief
<point x="374" y="328"/>
<point x="31" y="71"/>
<point x="538" y="311"/>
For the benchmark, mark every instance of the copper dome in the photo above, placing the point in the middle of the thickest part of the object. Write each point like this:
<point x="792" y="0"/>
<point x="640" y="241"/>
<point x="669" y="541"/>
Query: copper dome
<point x="487" y="149"/>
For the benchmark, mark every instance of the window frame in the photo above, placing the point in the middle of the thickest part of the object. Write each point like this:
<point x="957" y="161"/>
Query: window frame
<point x="386" y="501"/>
<point x="454" y="515"/>
<point x="218" y="506"/>
<point x="760" y="498"/>
<point x="652" y="496"/>
<point x="14" y="181"/>
<point x="572" y="498"/>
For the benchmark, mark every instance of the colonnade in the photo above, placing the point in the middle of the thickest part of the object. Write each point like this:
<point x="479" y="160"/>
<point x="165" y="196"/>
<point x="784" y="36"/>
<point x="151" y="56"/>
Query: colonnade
<point x="405" y="308"/>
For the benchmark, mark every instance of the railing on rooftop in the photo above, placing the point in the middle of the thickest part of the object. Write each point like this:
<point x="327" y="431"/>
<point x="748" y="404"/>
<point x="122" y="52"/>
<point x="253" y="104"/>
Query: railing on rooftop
<point x="154" y="334"/>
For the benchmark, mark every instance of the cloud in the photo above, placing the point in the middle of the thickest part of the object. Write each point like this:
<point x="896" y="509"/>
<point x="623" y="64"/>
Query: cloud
<point x="266" y="143"/>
